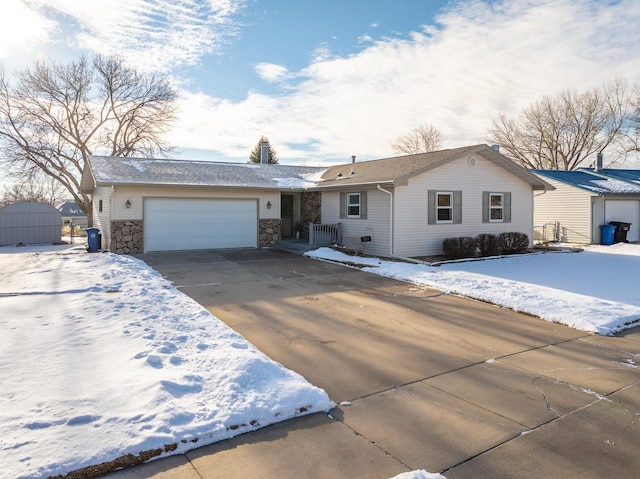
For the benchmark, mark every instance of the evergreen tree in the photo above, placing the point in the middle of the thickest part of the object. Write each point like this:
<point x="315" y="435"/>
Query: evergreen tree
<point x="255" y="157"/>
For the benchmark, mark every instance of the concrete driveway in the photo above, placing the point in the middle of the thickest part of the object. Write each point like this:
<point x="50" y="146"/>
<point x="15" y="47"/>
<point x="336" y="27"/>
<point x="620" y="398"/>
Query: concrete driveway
<point x="424" y="380"/>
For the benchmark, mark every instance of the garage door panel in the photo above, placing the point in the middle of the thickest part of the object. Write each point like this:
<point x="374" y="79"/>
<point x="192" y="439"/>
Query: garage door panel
<point x="172" y="224"/>
<point x="627" y="211"/>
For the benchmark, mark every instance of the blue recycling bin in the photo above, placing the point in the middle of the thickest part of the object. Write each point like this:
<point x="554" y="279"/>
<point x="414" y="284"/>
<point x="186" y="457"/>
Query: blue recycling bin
<point x="606" y="234"/>
<point x="93" y="239"/>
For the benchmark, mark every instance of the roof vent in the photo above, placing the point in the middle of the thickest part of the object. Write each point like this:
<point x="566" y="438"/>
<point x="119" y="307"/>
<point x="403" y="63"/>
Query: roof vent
<point x="353" y="162"/>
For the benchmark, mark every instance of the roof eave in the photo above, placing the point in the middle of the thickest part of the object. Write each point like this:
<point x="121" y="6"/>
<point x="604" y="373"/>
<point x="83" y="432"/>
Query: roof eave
<point x="363" y="184"/>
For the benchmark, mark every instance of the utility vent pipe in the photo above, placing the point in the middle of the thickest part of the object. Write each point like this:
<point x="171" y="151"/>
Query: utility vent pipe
<point x="599" y="162"/>
<point x="353" y="162"/>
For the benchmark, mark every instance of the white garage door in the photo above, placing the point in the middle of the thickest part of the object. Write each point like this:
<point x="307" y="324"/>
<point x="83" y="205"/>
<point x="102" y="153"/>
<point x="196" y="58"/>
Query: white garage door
<point x="172" y="224"/>
<point x="627" y="211"/>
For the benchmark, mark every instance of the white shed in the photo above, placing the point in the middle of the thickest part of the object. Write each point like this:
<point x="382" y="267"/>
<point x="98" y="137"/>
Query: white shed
<point x="30" y="223"/>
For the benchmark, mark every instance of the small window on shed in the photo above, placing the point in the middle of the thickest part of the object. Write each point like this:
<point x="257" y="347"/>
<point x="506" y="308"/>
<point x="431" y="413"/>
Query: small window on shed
<point x="100" y="205"/>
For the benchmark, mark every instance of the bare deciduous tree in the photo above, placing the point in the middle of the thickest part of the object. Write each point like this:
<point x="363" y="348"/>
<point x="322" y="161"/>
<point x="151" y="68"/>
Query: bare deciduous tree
<point x="57" y="115"/>
<point x="421" y="139"/>
<point x="559" y="133"/>
<point x="634" y="127"/>
<point x="36" y="187"/>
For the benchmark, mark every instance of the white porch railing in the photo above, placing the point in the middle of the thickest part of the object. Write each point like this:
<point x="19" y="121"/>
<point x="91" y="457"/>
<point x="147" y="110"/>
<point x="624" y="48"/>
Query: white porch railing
<point x="324" y="235"/>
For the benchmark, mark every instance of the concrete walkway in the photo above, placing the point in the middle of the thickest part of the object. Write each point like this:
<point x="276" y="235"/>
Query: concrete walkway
<point x="424" y="380"/>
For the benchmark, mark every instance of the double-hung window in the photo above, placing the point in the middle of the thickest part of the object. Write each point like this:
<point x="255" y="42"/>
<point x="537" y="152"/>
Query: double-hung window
<point x="496" y="207"/>
<point x="444" y="207"/>
<point x="353" y="205"/>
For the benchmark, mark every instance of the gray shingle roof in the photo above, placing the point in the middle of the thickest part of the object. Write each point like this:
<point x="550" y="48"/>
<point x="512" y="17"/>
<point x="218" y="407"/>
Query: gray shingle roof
<point x="603" y="182"/>
<point x="396" y="171"/>
<point x="109" y="170"/>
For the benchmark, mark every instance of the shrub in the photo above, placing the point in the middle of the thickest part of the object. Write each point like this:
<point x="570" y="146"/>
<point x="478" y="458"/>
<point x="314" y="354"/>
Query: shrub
<point x="460" y="247"/>
<point x="488" y="244"/>
<point x="513" y="242"/>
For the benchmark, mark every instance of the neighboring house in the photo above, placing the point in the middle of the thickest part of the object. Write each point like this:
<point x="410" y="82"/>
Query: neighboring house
<point x="585" y="199"/>
<point x="73" y="214"/>
<point x="410" y="204"/>
<point x="143" y="205"/>
<point x="30" y="223"/>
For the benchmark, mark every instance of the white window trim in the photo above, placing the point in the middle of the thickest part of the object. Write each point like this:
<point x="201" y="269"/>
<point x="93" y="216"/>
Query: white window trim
<point x="450" y="207"/>
<point x="349" y="195"/>
<point x="501" y="208"/>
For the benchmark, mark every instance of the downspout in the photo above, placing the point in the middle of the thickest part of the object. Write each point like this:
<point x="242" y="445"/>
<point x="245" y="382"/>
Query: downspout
<point x="391" y="245"/>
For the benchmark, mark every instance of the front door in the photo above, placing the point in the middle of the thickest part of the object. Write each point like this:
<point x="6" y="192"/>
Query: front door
<point x="286" y="214"/>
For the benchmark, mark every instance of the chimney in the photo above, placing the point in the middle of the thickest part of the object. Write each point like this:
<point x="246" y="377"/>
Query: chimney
<point x="599" y="161"/>
<point x="264" y="152"/>
<point x="353" y="162"/>
<point x="495" y="147"/>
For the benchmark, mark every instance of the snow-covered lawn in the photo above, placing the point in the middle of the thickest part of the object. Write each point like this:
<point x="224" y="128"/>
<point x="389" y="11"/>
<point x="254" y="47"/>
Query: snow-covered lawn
<point x="101" y="357"/>
<point x="596" y="290"/>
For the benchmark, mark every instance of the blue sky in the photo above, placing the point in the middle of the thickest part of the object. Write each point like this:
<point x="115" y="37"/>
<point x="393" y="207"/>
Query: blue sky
<point x="324" y="80"/>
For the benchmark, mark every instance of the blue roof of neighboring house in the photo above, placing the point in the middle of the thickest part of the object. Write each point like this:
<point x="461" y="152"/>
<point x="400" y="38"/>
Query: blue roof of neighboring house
<point x="608" y="181"/>
<point x="71" y="208"/>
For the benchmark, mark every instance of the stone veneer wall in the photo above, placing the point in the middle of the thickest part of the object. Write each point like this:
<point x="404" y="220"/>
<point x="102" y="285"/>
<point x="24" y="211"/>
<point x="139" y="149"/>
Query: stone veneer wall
<point x="126" y="237"/>
<point x="310" y="210"/>
<point x="268" y="232"/>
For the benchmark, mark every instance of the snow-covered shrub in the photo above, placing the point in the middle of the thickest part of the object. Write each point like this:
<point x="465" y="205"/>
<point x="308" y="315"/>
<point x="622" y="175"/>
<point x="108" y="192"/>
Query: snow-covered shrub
<point x="513" y="242"/>
<point x="488" y="244"/>
<point x="459" y="247"/>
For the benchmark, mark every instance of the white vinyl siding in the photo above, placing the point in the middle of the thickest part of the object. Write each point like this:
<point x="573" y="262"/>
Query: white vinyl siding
<point x="416" y="237"/>
<point x="102" y="219"/>
<point x="376" y="223"/>
<point x="567" y="209"/>
<point x="115" y="209"/>
<point x="136" y="196"/>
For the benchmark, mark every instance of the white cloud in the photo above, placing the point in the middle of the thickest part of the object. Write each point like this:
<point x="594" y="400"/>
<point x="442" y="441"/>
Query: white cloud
<point x="477" y="61"/>
<point x="151" y="34"/>
<point x="22" y="30"/>
<point x="271" y="72"/>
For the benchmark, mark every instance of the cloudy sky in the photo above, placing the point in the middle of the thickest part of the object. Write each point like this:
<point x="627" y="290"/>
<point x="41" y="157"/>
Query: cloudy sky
<point x="324" y="80"/>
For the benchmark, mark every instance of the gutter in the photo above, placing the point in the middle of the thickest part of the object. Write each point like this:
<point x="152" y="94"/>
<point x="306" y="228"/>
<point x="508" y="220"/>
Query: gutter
<point x="391" y="242"/>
